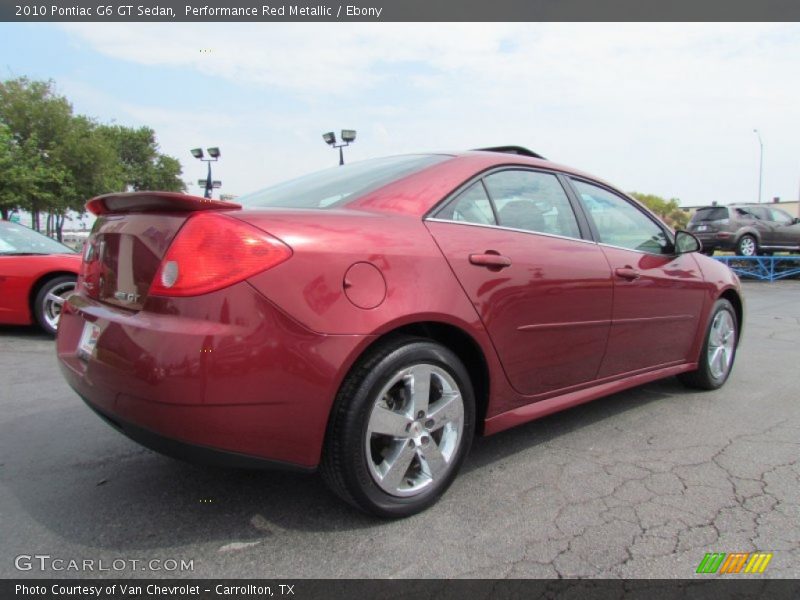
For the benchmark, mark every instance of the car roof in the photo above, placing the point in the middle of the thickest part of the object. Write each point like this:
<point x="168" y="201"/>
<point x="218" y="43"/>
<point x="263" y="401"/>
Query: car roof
<point x="505" y="158"/>
<point x="522" y="151"/>
<point x="418" y="193"/>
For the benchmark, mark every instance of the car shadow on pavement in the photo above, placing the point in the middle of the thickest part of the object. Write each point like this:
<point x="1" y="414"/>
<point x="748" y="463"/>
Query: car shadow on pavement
<point x="27" y="331"/>
<point x="486" y="450"/>
<point x="91" y="487"/>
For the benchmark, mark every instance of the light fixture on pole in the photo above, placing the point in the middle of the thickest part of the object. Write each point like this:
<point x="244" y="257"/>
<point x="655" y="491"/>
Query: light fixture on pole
<point x="760" y="164"/>
<point x="348" y="136"/>
<point x="214" y="153"/>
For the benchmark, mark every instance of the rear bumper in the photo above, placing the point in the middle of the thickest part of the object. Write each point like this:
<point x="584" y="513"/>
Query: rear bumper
<point x="228" y="372"/>
<point x="192" y="452"/>
<point x="721" y="240"/>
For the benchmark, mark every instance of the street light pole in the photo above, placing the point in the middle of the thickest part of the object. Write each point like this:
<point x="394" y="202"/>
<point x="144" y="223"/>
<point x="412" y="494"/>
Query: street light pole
<point x="760" y="164"/>
<point x="209" y="185"/>
<point x="214" y="153"/>
<point x="348" y="136"/>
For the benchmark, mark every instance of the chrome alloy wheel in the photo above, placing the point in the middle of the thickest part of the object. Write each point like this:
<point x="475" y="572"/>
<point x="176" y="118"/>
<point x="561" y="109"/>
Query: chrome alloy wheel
<point x="54" y="301"/>
<point x="747" y="247"/>
<point x="721" y="341"/>
<point x="414" y="430"/>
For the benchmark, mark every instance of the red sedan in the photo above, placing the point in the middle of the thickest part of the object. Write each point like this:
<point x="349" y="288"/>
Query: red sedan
<point x="370" y="319"/>
<point x="36" y="273"/>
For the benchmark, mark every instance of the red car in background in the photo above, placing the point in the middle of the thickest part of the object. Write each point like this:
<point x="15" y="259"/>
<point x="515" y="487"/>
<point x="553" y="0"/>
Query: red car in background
<point x="369" y="319"/>
<point x="36" y="274"/>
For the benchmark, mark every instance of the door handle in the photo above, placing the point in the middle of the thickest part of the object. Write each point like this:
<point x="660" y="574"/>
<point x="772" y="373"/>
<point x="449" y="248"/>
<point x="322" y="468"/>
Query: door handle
<point x="491" y="259"/>
<point x="628" y="273"/>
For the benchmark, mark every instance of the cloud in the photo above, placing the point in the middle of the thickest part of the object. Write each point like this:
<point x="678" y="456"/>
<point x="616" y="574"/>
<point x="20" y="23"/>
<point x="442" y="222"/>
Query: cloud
<point x="662" y="108"/>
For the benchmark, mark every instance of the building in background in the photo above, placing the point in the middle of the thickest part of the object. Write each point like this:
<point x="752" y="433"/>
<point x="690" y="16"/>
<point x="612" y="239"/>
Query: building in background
<point x="790" y="206"/>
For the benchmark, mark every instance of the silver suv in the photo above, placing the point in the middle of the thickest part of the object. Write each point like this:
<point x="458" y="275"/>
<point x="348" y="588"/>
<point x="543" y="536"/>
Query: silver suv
<point x="747" y="229"/>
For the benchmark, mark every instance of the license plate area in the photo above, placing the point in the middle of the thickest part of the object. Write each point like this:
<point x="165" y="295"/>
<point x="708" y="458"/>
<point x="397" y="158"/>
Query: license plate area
<point x="88" y="341"/>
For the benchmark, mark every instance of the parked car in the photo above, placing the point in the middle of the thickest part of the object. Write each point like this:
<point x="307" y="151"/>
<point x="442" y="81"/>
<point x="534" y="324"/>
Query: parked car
<point x="367" y="320"/>
<point x="36" y="274"/>
<point x="747" y="229"/>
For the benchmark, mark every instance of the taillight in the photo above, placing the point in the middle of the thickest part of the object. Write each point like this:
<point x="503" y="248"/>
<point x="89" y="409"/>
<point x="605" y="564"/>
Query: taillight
<point x="89" y="277"/>
<point x="212" y="251"/>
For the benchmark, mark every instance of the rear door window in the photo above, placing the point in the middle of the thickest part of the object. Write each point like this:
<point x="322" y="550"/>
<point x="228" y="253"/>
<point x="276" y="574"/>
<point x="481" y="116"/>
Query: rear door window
<point x="532" y="201"/>
<point x="470" y="206"/>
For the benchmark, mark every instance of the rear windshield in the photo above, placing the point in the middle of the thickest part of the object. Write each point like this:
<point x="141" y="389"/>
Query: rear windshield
<point x="711" y="213"/>
<point x="339" y="185"/>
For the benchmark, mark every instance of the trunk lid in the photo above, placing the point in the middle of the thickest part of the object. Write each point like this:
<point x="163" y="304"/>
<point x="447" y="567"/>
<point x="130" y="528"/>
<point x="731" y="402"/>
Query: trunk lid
<point x="130" y="238"/>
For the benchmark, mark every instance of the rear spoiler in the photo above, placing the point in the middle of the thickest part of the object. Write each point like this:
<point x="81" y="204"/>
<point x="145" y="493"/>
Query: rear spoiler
<point x="135" y="202"/>
<point x="512" y="150"/>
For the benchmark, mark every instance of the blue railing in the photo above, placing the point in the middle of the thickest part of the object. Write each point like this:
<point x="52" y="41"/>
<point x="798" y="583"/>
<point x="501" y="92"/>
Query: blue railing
<point x="765" y="268"/>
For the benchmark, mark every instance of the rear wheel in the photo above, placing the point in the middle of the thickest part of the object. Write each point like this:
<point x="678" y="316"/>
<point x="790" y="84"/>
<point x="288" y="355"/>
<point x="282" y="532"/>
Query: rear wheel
<point x="719" y="349"/>
<point x="50" y="299"/>
<point x="402" y="424"/>
<point x="747" y="246"/>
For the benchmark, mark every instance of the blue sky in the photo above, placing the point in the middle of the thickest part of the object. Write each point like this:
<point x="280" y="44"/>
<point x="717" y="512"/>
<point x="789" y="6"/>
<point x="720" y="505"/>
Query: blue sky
<point x="667" y="109"/>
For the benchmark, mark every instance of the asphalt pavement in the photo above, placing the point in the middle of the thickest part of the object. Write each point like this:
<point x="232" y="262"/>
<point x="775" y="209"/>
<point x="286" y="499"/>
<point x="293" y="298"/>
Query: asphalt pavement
<point x="638" y="484"/>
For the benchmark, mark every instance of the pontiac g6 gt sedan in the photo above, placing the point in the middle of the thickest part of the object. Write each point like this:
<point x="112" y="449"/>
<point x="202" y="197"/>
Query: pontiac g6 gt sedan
<point x="368" y="320"/>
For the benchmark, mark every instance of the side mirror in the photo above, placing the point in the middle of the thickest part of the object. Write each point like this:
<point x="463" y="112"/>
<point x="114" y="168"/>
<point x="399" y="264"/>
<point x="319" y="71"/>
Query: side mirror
<point x="795" y="221"/>
<point x="686" y="242"/>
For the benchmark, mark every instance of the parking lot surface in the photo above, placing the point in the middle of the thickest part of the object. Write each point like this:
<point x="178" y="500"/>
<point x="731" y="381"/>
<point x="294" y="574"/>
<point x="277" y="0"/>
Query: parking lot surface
<point x="639" y="484"/>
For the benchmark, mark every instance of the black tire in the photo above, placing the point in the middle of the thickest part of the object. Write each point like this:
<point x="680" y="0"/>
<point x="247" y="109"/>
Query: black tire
<point x="704" y="377"/>
<point x="345" y="465"/>
<point x="43" y="307"/>
<point x="744" y="245"/>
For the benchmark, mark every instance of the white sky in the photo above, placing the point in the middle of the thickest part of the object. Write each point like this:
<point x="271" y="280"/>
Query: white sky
<point x="667" y="109"/>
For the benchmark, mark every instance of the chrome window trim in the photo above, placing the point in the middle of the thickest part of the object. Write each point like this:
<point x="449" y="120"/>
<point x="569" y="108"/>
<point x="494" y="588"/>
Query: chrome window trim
<point x="481" y="175"/>
<point x="637" y="251"/>
<point x="502" y="228"/>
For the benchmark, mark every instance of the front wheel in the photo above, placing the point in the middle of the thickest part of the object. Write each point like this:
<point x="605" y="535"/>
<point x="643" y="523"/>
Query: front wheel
<point x="401" y="426"/>
<point x="50" y="299"/>
<point x="719" y="349"/>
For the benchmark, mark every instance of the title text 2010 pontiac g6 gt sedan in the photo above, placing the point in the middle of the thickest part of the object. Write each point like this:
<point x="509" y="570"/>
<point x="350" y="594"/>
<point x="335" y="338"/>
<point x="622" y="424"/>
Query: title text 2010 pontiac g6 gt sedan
<point x="369" y="319"/>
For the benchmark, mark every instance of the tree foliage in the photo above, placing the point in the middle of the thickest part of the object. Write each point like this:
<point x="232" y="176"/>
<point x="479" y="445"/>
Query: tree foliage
<point x="53" y="160"/>
<point x="13" y="175"/>
<point x="141" y="165"/>
<point x="669" y="210"/>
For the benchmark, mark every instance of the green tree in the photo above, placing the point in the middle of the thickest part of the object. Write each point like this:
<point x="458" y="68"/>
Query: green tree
<point x="58" y="159"/>
<point x="142" y="166"/>
<point x="10" y="196"/>
<point x="28" y="180"/>
<point x="38" y="120"/>
<point x="90" y="166"/>
<point x="669" y="210"/>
